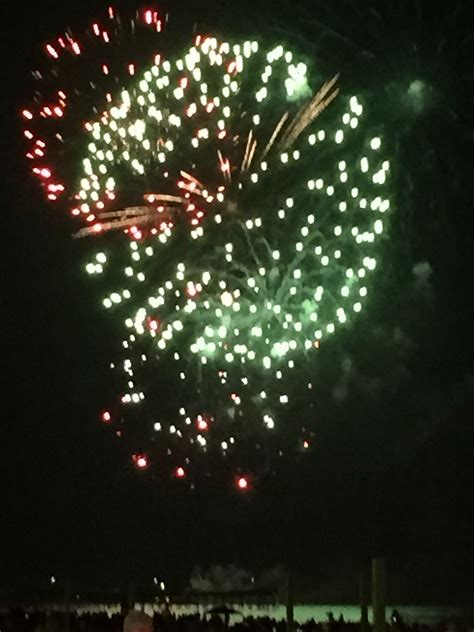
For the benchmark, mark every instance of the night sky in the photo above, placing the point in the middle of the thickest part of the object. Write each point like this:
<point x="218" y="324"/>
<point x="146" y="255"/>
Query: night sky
<point x="391" y="474"/>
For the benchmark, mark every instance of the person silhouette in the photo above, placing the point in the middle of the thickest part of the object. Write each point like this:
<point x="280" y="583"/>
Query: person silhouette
<point x="137" y="621"/>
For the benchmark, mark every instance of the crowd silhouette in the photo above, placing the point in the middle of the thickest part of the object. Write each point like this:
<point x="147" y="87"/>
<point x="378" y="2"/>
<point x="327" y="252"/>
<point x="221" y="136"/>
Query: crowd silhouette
<point x="18" y="620"/>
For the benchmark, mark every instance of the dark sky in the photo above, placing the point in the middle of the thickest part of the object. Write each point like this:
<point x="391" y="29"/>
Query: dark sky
<point x="70" y="503"/>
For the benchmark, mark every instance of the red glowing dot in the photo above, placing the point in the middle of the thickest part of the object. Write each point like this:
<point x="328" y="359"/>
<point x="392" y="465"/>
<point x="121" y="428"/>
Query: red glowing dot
<point x="148" y="17"/>
<point x="106" y="417"/>
<point x="180" y="473"/>
<point x="140" y="461"/>
<point x="76" y="48"/>
<point x="153" y="324"/>
<point x="191" y="289"/>
<point x="242" y="483"/>
<point x="131" y="69"/>
<point x="27" y="114"/>
<point x="95" y="28"/>
<point x="202" y="424"/>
